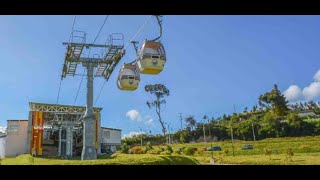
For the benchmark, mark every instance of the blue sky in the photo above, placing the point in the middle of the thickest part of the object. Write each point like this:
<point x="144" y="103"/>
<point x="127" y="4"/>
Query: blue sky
<point x="213" y="62"/>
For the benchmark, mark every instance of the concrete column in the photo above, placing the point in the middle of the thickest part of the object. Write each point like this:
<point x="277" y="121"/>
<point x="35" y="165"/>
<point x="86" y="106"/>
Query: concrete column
<point x="29" y="134"/>
<point x="59" y="149"/>
<point x="69" y="139"/>
<point x="99" y="133"/>
<point x="89" y="150"/>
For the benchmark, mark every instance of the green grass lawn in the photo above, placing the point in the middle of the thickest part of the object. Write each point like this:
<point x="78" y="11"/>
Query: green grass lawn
<point x="117" y="159"/>
<point x="306" y="151"/>
<point x="297" y="159"/>
<point x="307" y="144"/>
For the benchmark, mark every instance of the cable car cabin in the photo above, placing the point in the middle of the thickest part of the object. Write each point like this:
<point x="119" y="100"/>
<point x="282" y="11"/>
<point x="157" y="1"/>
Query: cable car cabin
<point x="128" y="78"/>
<point x="151" y="58"/>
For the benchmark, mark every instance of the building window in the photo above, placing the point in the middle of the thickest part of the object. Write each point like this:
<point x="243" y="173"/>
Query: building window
<point x="106" y="134"/>
<point x="13" y="128"/>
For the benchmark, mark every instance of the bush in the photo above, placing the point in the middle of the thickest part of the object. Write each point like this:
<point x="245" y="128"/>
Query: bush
<point x="294" y="119"/>
<point x="148" y="147"/>
<point x="226" y="152"/>
<point x="289" y="154"/>
<point x="114" y="155"/>
<point x="268" y="152"/>
<point x="124" y="148"/>
<point x="25" y="159"/>
<point x="200" y="151"/>
<point x="137" y="150"/>
<point x="153" y="151"/>
<point x="220" y="158"/>
<point x="178" y="151"/>
<point x="189" y="151"/>
<point x="168" y="148"/>
<point x="130" y="151"/>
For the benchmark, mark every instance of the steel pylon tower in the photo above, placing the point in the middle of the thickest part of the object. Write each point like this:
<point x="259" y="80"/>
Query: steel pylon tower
<point x="112" y="52"/>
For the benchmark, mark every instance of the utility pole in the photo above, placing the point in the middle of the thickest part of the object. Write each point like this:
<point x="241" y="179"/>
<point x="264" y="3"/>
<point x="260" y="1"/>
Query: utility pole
<point x="204" y="129"/>
<point x="210" y="139"/>
<point x="209" y="129"/>
<point x="232" y="140"/>
<point x="181" y="120"/>
<point x="104" y="67"/>
<point x="168" y="135"/>
<point x="254" y="136"/>
<point x="204" y="133"/>
<point x="234" y="109"/>
<point x="140" y="136"/>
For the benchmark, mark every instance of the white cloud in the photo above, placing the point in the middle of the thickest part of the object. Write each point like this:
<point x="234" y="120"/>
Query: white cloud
<point x="293" y="93"/>
<point x="312" y="91"/>
<point x="308" y="93"/>
<point x="148" y="120"/>
<point x="134" y="115"/>
<point x="316" y="77"/>
<point x="3" y="129"/>
<point x="133" y="133"/>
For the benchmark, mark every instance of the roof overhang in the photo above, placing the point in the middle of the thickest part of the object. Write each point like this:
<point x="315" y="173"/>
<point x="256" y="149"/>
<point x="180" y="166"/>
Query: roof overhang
<point x="59" y="108"/>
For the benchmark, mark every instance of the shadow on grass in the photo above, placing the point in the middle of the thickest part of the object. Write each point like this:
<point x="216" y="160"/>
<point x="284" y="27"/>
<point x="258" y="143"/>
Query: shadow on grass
<point x="179" y="160"/>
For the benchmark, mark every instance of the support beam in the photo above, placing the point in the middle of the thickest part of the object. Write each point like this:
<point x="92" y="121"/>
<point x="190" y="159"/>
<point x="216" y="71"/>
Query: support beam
<point x="89" y="150"/>
<point x="87" y="45"/>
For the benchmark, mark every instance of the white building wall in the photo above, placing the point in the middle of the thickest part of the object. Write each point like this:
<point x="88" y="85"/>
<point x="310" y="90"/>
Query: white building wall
<point x="16" y="139"/>
<point x="2" y="146"/>
<point x="110" y="136"/>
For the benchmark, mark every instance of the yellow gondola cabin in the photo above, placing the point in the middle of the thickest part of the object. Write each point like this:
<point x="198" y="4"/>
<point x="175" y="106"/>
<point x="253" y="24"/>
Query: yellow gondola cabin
<point x="128" y="78"/>
<point x="151" y="58"/>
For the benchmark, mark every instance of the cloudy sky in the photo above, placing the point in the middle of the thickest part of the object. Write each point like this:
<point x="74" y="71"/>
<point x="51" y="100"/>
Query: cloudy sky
<point x="213" y="62"/>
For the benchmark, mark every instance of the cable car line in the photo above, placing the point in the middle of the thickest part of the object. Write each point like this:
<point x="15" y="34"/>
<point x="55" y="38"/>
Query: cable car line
<point x="160" y="25"/>
<point x="74" y="22"/>
<point x="132" y="40"/>
<point x="137" y="32"/>
<point x="151" y="57"/>
<point x="104" y="22"/>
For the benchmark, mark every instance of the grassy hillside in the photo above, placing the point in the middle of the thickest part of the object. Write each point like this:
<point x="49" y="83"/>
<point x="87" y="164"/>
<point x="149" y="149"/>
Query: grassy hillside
<point x="297" y="159"/>
<point x="277" y="145"/>
<point x="306" y="151"/>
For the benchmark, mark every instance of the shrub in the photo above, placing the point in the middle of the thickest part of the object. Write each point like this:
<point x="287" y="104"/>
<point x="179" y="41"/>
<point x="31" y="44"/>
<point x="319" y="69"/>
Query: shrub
<point x="294" y="119"/>
<point x="114" y="155"/>
<point x="226" y="152"/>
<point x="148" y="147"/>
<point x="200" y="151"/>
<point x="268" y="152"/>
<point x="178" y="151"/>
<point x="130" y="151"/>
<point x="289" y="154"/>
<point x="189" y="151"/>
<point x="220" y="157"/>
<point x="137" y="150"/>
<point x="153" y="151"/>
<point x="25" y="159"/>
<point x="168" y="148"/>
<point x="161" y="148"/>
<point x="124" y="148"/>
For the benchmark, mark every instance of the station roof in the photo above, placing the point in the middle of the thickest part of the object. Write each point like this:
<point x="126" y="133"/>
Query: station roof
<point x="33" y="106"/>
<point x="111" y="129"/>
